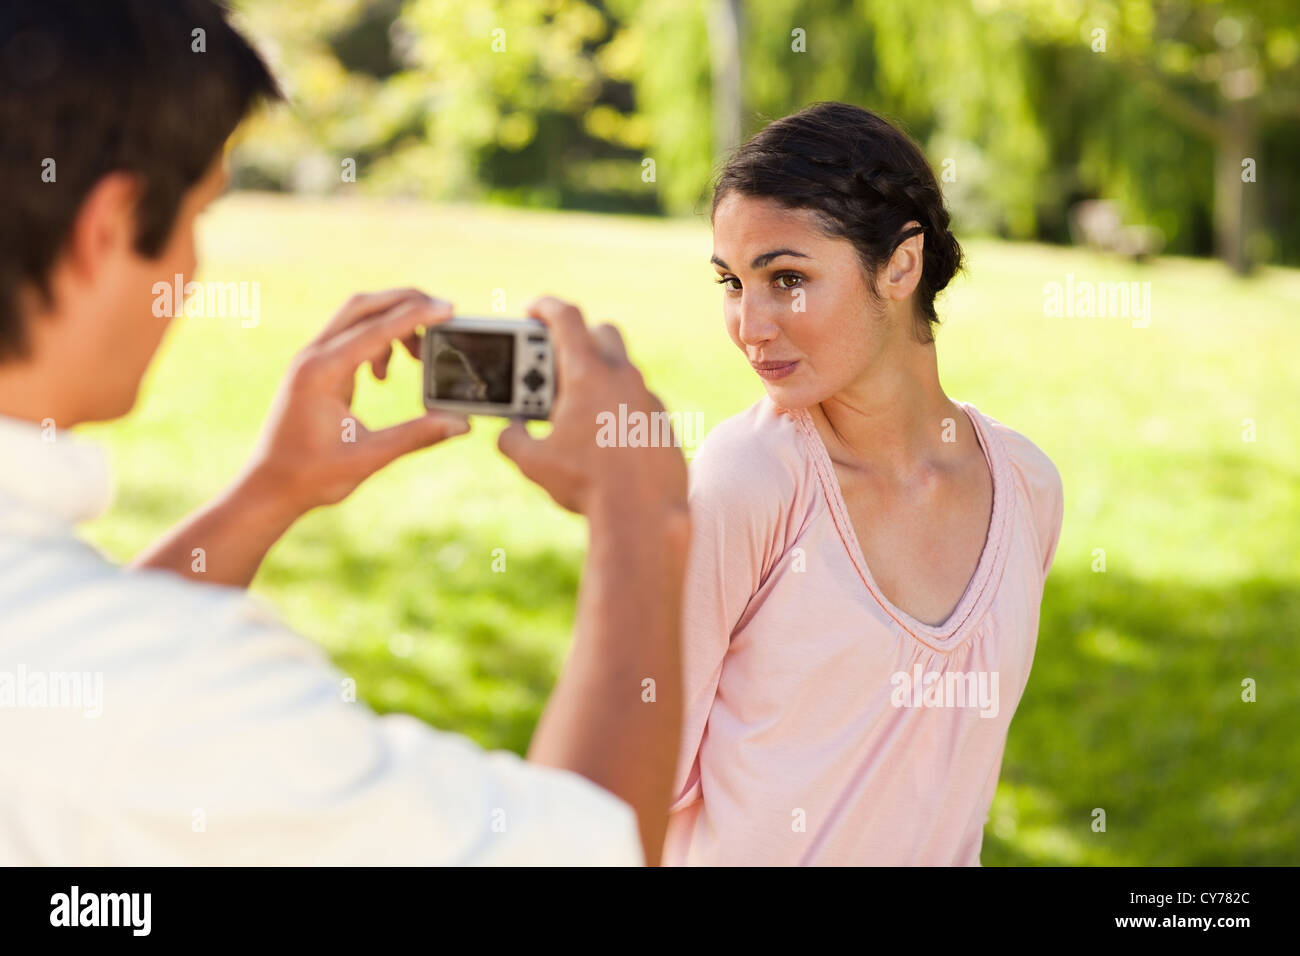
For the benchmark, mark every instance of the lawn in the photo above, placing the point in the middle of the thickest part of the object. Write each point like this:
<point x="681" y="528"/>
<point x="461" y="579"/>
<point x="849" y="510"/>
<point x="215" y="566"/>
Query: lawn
<point x="1135" y="700"/>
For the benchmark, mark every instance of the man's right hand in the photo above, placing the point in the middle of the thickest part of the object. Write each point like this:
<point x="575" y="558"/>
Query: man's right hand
<point x="596" y="377"/>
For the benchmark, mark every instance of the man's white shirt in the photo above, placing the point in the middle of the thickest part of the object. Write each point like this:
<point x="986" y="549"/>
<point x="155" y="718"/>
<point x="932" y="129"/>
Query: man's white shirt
<point x="148" y="719"/>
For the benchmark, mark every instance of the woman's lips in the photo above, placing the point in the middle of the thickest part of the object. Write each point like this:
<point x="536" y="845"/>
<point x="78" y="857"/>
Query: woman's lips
<point x="775" y="370"/>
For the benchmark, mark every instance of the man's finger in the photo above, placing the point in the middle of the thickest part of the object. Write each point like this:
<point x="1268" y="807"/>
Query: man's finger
<point x="520" y="447"/>
<point x="573" y="342"/>
<point x="610" y="343"/>
<point x="362" y="305"/>
<point x="412" y="345"/>
<point x="379" y="364"/>
<point x="346" y="351"/>
<point x="429" y="429"/>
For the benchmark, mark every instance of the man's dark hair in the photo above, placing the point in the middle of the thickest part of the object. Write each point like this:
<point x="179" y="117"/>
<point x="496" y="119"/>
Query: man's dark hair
<point x="865" y="180"/>
<point x="101" y="86"/>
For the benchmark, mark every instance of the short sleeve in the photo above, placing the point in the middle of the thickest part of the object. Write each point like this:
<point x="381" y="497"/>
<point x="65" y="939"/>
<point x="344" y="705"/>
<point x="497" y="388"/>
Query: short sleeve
<point x="1041" y="489"/>
<point x="1041" y="485"/>
<point x="733" y="497"/>
<point x="1055" y="517"/>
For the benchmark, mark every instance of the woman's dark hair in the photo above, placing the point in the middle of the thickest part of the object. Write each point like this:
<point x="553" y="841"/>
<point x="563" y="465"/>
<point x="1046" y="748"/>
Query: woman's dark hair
<point x="864" y="178"/>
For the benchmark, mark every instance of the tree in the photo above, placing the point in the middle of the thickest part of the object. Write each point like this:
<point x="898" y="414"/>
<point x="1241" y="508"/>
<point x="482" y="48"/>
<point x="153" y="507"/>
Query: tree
<point x="1219" y="69"/>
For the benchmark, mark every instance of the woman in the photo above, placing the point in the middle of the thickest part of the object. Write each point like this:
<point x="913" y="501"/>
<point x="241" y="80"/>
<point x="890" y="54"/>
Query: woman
<point x="868" y="555"/>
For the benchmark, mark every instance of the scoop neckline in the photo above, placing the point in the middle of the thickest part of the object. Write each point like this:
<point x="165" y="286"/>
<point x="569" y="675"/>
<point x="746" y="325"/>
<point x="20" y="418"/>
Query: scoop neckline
<point x="980" y="588"/>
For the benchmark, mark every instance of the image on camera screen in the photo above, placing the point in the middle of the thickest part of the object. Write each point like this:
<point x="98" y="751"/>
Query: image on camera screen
<point x="473" y="367"/>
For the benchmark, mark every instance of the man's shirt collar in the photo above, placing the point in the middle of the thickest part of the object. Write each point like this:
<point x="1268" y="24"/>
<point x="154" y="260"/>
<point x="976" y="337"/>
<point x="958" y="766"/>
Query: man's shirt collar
<point x="48" y="470"/>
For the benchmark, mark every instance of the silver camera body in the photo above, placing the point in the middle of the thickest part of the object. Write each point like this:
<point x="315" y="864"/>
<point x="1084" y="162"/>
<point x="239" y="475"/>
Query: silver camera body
<point x="480" y="366"/>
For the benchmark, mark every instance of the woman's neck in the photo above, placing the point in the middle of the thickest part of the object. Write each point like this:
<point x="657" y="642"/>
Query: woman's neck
<point x="893" y="419"/>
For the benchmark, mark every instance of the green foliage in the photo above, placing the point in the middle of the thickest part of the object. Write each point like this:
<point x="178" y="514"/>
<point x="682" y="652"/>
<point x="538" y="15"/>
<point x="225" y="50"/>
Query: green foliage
<point x="955" y="80"/>
<point x="1153" y="89"/>
<point x="560" y="102"/>
<point x="501" y="99"/>
<point x="663" y="54"/>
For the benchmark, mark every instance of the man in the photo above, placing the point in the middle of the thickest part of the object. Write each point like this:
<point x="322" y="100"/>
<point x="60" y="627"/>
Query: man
<point x="206" y="732"/>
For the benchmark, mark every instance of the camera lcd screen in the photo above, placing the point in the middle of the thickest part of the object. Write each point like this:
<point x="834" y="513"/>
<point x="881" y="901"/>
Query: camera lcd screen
<point x="473" y="366"/>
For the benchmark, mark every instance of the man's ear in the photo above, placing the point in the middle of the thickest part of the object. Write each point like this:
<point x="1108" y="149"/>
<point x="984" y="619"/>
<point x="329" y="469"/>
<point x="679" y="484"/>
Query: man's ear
<point x="105" y="225"/>
<point x="904" y="269"/>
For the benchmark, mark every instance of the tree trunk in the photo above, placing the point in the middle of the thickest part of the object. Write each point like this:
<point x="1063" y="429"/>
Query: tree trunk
<point x="724" y="51"/>
<point x="1235" y="206"/>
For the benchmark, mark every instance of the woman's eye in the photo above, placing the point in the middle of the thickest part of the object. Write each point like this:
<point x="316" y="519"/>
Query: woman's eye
<point x="727" y="280"/>
<point x="793" y="284"/>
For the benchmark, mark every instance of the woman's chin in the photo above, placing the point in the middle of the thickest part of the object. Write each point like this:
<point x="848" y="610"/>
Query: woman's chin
<point x="792" y="396"/>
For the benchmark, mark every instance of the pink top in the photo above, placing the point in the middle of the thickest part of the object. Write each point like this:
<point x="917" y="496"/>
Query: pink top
<point x="823" y="724"/>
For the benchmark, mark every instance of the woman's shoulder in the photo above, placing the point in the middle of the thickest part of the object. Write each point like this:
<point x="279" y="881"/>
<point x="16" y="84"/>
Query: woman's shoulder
<point x="757" y="449"/>
<point x="752" y="489"/>
<point x="1029" y="461"/>
<point x="1038" y="479"/>
<point x="761" y="441"/>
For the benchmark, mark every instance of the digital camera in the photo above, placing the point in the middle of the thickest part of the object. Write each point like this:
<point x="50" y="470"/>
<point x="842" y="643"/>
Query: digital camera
<point x="479" y="366"/>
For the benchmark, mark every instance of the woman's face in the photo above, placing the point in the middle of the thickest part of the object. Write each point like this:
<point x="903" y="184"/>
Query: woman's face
<point x="796" y="301"/>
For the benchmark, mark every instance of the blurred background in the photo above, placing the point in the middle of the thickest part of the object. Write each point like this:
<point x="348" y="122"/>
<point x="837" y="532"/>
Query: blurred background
<point x="1035" y="105"/>
<point x="490" y="151"/>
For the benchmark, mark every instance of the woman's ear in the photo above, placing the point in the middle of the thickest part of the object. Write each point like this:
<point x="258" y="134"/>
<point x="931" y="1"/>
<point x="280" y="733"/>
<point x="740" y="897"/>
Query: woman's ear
<point x="903" y="272"/>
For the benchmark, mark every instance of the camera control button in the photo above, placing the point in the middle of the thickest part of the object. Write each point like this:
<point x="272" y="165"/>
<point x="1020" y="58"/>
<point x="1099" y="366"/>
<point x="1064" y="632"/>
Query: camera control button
<point x="534" y="379"/>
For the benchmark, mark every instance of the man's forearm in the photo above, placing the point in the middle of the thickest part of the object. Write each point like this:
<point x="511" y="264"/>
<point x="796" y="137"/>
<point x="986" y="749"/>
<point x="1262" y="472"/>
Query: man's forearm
<point x="604" y="719"/>
<point x="225" y="541"/>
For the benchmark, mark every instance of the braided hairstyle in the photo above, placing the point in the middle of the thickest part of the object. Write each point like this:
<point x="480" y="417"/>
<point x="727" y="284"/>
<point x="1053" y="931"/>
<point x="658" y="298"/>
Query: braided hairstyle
<point x="865" y="180"/>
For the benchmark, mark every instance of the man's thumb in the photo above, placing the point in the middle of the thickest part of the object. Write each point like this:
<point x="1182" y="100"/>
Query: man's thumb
<point x="520" y="447"/>
<point x="418" y="433"/>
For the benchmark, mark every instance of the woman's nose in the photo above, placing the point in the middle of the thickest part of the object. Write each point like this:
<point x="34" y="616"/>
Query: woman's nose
<point x="757" y="324"/>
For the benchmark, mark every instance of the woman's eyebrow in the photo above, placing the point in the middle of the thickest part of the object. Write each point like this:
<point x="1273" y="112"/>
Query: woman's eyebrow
<point x="767" y="257"/>
<point x="764" y="259"/>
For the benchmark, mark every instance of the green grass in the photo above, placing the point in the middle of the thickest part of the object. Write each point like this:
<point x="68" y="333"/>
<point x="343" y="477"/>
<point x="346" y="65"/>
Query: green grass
<point x="1134" y="703"/>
